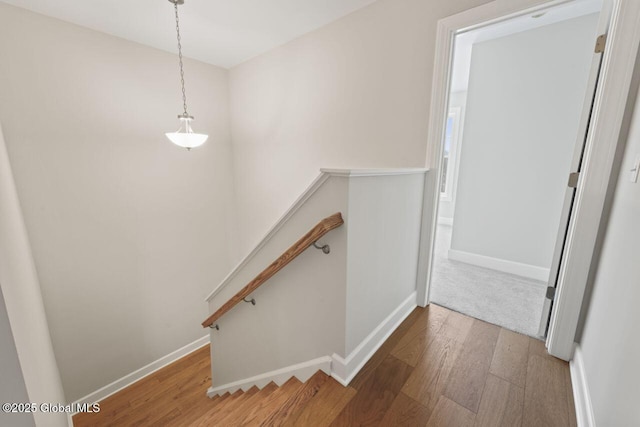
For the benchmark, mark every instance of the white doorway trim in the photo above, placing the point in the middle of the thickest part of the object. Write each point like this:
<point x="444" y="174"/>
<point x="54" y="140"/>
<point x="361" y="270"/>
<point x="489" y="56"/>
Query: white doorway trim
<point x="610" y="102"/>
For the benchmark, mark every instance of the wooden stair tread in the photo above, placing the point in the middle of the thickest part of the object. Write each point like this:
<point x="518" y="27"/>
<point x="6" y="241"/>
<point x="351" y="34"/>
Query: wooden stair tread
<point x="297" y="400"/>
<point x="232" y="398"/>
<point x="215" y="400"/>
<point x="229" y="402"/>
<point x="223" y="397"/>
<point x="323" y="408"/>
<point x="191" y="413"/>
<point x="226" y="410"/>
<point x="233" y="419"/>
<point x="263" y="409"/>
<point x="190" y="416"/>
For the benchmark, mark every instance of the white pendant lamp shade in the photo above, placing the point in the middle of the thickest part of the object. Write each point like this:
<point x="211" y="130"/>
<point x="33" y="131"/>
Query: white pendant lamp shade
<point x="185" y="136"/>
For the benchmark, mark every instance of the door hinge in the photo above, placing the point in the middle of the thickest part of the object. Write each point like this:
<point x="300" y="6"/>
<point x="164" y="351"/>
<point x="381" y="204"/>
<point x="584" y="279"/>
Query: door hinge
<point x="573" y="179"/>
<point x="601" y="42"/>
<point x="551" y="293"/>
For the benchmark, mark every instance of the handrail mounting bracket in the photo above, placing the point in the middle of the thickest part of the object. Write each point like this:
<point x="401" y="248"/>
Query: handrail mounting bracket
<point x="325" y="248"/>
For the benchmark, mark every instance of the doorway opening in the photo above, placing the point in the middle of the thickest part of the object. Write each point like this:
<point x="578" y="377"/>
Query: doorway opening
<point x="516" y="98"/>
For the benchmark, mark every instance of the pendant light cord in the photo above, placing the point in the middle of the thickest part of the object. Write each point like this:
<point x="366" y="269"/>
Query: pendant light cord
<point x="184" y="93"/>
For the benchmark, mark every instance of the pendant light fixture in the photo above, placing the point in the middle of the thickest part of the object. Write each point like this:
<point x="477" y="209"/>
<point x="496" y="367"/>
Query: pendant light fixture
<point x="184" y="136"/>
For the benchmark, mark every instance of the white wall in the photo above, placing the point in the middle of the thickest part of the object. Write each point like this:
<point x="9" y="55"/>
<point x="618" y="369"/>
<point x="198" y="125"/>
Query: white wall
<point x="383" y="236"/>
<point x="355" y="93"/>
<point x="524" y="102"/>
<point x="12" y="387"/>
<point x="610" y="346"/>
<point x="25" y="310"/>
<point x="128" y="231"/>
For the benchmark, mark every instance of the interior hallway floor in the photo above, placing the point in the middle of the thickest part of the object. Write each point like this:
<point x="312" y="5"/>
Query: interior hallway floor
<point x="506" y="300"/>
<point x="438" y="368"/>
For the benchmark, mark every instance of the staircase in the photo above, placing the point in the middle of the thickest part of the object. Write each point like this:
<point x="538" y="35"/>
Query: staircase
<point x="316" y="402"/>
<point x="321" y="297"/>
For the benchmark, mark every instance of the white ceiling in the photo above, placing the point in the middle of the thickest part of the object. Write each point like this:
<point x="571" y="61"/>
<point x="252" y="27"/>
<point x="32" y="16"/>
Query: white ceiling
<point x="223" y="33"/>
<point x="465" y="41"/>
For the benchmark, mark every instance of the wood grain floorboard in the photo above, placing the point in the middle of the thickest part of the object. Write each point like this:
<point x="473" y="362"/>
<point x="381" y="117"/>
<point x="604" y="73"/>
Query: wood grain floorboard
<point x="193" y="405"/>
<point x="147" y="418"/>
<point x="220" y="416"/>
<point x="165" y="419"/>
<point x="448" y="413"/>
<point x="545" y="400"/>
<point x="538" y="348"/>
<point x="184" y="365"/>
<point x="422" y="332"/>
<point x="439" y="368"/>
<point x="271" y="403"/>
<point x="386" y="348"/>
<point x="193" y="401"/>
<point x="510" y="357"/>
<point x="471" y="368"/>
<point x="429" y="378"/>
<point x="405" y="412"/>
<point x="110" y="408"/>
<point x="501" y="405"/>
<point x="282" y="395"/>
<point x="376" y="395"/>
<point x="158" y="396"/>
<point x="456" y="326"/>
<point x="324" y="407"/>
<point x="194" y="410"/>
<point x="297" y="401"/>
<point x="151" y="392"/>
<point x="242" y="411"/>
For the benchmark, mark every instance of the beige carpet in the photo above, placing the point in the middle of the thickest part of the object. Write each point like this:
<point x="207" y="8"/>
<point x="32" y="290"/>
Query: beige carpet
<point x="503" y="299"/>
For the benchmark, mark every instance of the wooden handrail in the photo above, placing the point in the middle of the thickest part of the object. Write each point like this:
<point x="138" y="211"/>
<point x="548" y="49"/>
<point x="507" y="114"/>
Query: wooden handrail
<point x="320" y="229"/>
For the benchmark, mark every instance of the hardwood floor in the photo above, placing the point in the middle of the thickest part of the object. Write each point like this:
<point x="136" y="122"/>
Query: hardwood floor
<point x="439" y="368"/>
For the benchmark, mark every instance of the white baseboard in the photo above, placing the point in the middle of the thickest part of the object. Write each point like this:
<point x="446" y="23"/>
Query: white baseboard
<point x="445" y="221"/>
<point x="525" y="270"/>
<point x="303" y="371"/>
<point x="152" y="367"/>
<point x="581" y="396"/>
<point x="343" y="370"/>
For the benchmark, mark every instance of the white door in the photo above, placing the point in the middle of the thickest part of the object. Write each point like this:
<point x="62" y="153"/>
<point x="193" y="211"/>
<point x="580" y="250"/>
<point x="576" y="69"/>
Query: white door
<point x="572" y="177"/>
